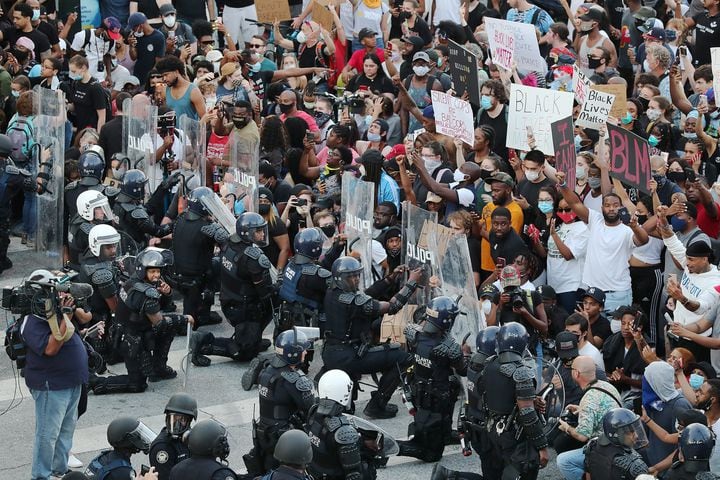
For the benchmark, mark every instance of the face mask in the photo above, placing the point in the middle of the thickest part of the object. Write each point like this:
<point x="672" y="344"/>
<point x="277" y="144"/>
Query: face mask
<point x="594" y="182"/>
<point x="236" y="83"/>
<point x="309" y="105"/>
<point x="20" y="55"/>
<point x="210" y="102"/>
<point x="485" y="174"/>
<point x="289" y="65"/>
<point x="374" y="137"/>
<point x="15" y="93"/>
<point x="696" y="381"/>
<point x="581" y="173"/>
<point x="328" y="230"/>
<point x="545" y="207"/>
<point x="532" y="175"/>
<point x="567" y="217"/>
<point x="321" y="118"/>
<point x="430" y="164"/>
<point x="421" y="71"/>
<point x="35" y="15"/>
<point x="593" y="63"/>
<point x="139" y="34"/>
<point x="169" y="21"/>
<point x="660" y="179"/>
<point x="255" y="67"/>
<point x="264" y="209"/>
<point x="396" y="57"/>
<point x="644" y="102"/>
<point x="676" y="177"/>
<point x="485" y="102"/>
<point x="586" y="27"/>
<point x="578" y="143"/>
<point x="486" y="307"/>
<point x="627" y="119"/>
<point x="458" y="176"/>
<point x="641" y="219"/>
<point x="404" y="15"/>
<point x="440" y="62"/>
<point x="689" y="134"/>
<point x="653" y="114"/>
<point x="678" y="224"/>
<point x="75" y="76"/>
<point x="301" y="38"/>
<point x="240" y="122"/>
<point x="653" y="141"/>
<point x="286" y="108"/>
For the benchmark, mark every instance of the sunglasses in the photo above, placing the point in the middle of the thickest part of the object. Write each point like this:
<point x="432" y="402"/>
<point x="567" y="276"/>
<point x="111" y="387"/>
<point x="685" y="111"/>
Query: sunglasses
<point x="252" y="45"/>
<point x="564" y="210"/>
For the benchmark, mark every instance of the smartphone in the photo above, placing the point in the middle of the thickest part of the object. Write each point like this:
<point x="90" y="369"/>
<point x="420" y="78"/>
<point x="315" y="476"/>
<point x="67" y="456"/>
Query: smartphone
<point x="682" y="50"/>
<point x="702" y="100"/>
<point x="171" y="34"/>
<point x="637" y="322"/>
<point x="672" y="278"/>
<point x="580" y="306"/>
<point x="690" y="175"/>
<point x="624" y="215"/>
<point x="310" y="136"/>
<point x="144" y="469"/>
<point x="501" y="262"/>
<point x="637" y="406"/>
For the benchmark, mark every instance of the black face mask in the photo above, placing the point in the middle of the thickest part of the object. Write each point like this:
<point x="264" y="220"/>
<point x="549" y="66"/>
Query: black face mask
<point x="404" y="15"/>
<point x="641" y="219"/>
<point x="240" y="122"/>
<point x="286" y="108"/>
<point x="484" y="174"/>
<point x="328" y="230"/>
<point x="321" y="118"/>
<point x="676" y="177"/>
<point x="264" y="209"/>
<point x="394" y="253"/>
<point x="20" y="55"/>
<point x="706" y="405"/>
<point x="594" y="63"/>
<point x="644" y="102"/>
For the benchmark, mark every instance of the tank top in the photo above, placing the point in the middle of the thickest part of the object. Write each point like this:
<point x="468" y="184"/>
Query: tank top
<point x="585" y="51"/>
<point x="422" y="100"/>
<point x="182" y="105"/>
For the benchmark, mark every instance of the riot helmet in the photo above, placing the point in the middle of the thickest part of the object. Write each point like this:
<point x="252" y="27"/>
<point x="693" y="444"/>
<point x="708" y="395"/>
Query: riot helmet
<point x="130" y="433"/>
<point x="293" y="448"/>
<point x="290" y="345"/>
<point x="91" y="165"/>
<point x="696" y="443"/>
<point x="440" y="314"/>
<point x="88" y="201"/>
<point x="309" y="242"/>
<point x="208" y="439"/>
<point x="336" y="385"/>
<point x="180" y="411"/>
<point x="195" y="202"/>
<point x="486" y="340"/>
<point x="248" y="225"/>
<point x="134" y="184"/>
<point x="346" y="273"/>
<point x="104" y="235"/>
<point x="152" y="257"/>
<point x="624" y="428"/>
<point x="512" y="337"/>
<point x="6" y="146"/>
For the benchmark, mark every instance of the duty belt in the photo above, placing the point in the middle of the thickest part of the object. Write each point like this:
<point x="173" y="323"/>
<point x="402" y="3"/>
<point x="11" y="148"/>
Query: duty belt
<point x="335" y="341"/>
<point x="500" y="423"/>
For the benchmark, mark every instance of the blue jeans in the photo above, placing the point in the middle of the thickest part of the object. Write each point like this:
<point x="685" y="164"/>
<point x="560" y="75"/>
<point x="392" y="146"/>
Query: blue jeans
<point x="30" y="214"/>
<point x="613" y="301"/>
<point x="572" y="464"/>
<point x="55" y="419"/>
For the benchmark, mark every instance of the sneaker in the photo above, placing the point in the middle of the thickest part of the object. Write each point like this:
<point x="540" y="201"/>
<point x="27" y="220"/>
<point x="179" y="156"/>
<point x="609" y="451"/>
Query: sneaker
<point x="74" y="462"/>
<point x="23" y="239"/>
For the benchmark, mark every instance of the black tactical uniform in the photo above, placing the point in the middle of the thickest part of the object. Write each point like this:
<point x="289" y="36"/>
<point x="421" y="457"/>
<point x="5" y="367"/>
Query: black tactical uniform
<point x="335" y="441"/>
<point x="207" y="442"/>
<point x="111" y="465"/>
<point x="13" y="180"/>
<point x="696" y="444"/>
<point x="246" y="294"/>
<point x="127" y="436"/>
<point x="168" y="448"/>
<point x="436" y="356"/>
<point x="612" y="454"/>
<point x="294" y="452"/>
<point x="133" y="217"/>
<point x="349" y="316"/>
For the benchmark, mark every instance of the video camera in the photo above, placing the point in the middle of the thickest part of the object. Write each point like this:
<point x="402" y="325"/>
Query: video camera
<point x="166" y="125"/>
<point x="517" y="296"/>
<point x="355" y="103"/>
<point x="30" y="296"/>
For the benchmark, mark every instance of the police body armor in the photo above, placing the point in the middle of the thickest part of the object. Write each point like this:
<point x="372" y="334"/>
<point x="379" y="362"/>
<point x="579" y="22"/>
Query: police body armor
<point x="241" y="264"/>
<point x="604" y="459"/>
<point x="348" y="315"/>
<point x="135" y="221"/>
<point x="502" y="401"/>
<point x="303" y="305"/>
<point x="136" y="296"/>
<point x="284" y="393"/>
<point x="78" y="232"/>
<point x="104" y="276"/>
<point x="74" y="189"/>
<point x="106" y="463"/>
<point x="679" y="471"/>
<point x="433" y="357"/>
<point x="200" y="468"/>
<point x="476" y="412"/>
<point x="166" y="452"/>
<point x="335" y="442"/>
<point x="193" y="250"/>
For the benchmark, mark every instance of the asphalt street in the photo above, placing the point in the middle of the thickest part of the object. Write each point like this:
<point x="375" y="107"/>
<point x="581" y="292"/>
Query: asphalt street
<point x="216" y="388"/>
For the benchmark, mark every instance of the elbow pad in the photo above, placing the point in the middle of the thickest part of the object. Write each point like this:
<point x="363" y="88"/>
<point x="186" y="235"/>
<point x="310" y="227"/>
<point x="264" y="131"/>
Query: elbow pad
<point x="402" y="297"/>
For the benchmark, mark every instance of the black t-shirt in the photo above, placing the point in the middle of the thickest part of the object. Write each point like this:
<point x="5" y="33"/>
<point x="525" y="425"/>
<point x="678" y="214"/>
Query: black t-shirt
<point x="260" y="81"/>
<point x="474" y="248"/>
<point x="111" y="138"/>
<point x="601" y="327"/>
<point x="50" y="32"/>
<point x="707" y="36"/>
<point x="149" y="49"/>
<point x="422" y="30"/>
<point x="309" y="57"/>
<point x="508" y="247"/>
<point x="532" y="299"/>
<point x="42" y="44"/>
<point x="272" y="251"/>
<point x="499" y="124"/>
<point x="380" y="84"/>
<point x="87" y="99"/>
<point x="282" y="192"/>
<point x="531" y="190"/>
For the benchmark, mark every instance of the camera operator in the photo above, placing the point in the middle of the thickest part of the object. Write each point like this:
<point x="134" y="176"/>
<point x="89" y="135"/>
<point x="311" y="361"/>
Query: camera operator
<point x="56" y="369"/>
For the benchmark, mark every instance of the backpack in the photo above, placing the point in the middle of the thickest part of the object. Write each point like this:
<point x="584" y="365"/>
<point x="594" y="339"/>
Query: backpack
<point x="21" y="137"/>
<point x="106" y="96"/>
<point x="428" y="86"/>
<point x="15" y="343"/>
<point x="89" y="32"/>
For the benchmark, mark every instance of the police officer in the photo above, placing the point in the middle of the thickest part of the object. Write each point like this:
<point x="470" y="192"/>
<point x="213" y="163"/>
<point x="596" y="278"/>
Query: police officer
<point x="246" y="292"/>
<point x="147" y="332"/>
<point x="13" y="180"/>
<point x="696" y="446"/>
<point x="101" y="271"/>
<point x="133" y="217"/>
<point x="91" y="166"/>
<point x="207" y="442"/>
<point x="294" y="452"/>
<point x="349" y="315"/>
<point x="335" y="441"/>
<point x="436" y="357"/>
<point x="193" y="243"/>
<point x="515" y="432"/>
<point x="613" y="455"/>
<point x="127" y="436"/>
<point x="168" y="449"/>
<point x="93" y="209"/>
<point x="286" y="395"/>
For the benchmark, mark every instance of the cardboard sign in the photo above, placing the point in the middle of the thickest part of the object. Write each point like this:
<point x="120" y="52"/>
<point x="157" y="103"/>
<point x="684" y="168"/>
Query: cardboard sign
<point x="464" y="72"/>
<point x="526" y="51"/>
<point x="502" y="44"/>
<point x="269" y="10"/>
<point x="321" y="14"/>
<point x="537" y="108"/>
<point x="629" y="158"/>
<point x="581" y="83"/>
<point x="715" y="62"/>
<point x="563" y="136"/>
<point x="619" y="107"/>
<point x="595" y="110"/>
<point x="453" y="117"/>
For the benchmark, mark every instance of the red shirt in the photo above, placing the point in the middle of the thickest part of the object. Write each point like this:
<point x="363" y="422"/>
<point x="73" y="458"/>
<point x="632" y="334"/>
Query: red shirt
<point x="356" y="60"/>
<point x="709" y="225"/>
<point x="312" y="125"/>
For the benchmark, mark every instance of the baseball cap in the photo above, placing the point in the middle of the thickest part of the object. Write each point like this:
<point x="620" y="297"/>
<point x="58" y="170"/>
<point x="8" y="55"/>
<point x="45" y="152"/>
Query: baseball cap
<point x="167" y="9"/>
<point x="547" y="292"/>
<point x="501" y="177"/>
<point x="432" y="54"/>
<point x="592" y="15"/>
<point x="229" y="68"/>
<point x="698" y="249"/>
<point x="566" y="345"/>
<point x="657" y="33"/>
<point x="705" y="367"/>
<point x="489" y="290"/>
<point x="366" y="32"/>
<point x="214" y="56"/>
<point x="509" y="277"/>
<point x="398" y="149"/>
<point x="429" y="112"/>
<point x="266" y="194"/>
<point x="136" y="19"/>
<point x="433" y="198"/>
<point x="124" y="80"/>
<point x="112" y="26"/>
<point x="596" y="294"/>
<point x="644" y="13"/>
<point x="421" y="56"/>
<point x="414" y="40"/>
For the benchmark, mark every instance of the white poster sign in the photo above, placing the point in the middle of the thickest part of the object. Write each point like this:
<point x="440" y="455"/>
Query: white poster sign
<point x="537" y="108"/>
<point x="453" y="117"/>
<point x="526" y="52"/>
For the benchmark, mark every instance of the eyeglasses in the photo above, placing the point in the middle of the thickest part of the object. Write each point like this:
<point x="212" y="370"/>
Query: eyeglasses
<point x="209" y="42"/>
<point x="253" y="45"/>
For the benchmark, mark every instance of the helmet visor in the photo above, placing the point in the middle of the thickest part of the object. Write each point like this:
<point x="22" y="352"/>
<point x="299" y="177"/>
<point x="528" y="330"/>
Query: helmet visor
<point x="633" y="435"/>
<point x="177" y="423"/>
<point x="105" y="211"/>
<point x="110" y="251"/>
<point x="142" y="437"/>
<point x="260" y="236"/>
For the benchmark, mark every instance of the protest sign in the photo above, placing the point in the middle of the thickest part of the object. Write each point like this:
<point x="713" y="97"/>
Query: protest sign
<point x="464" y="72"/>
<point x="582" y="84"/>
<point x="322" y="15"/>
<point x="595" y="110"/>
<point x="715" y="62"/>
<point x="502" y="43"/>
<point x="453" y="117"/>
<point x="619" y="107"/>
<point x="563" y="136"/>
<point x="269" y="10"/>
<point x="537" y="108"/>
<point x="525" y="44"/>
<point x="629" y="157"/>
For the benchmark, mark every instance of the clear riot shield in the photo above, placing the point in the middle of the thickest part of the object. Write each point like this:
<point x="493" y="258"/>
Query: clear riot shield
<point x="241" y="178"/>
<point x="550" y="389"/>
<point x="375" y="438"/>
<point x="357" y="218"/>
<point x="49" y="153"/>
<point x="419" y="232"/>
<point x="194" y="155"/>
<point x="457" y="279"/>
<point x="140" y="138"/>
<point x="220" y="212"/>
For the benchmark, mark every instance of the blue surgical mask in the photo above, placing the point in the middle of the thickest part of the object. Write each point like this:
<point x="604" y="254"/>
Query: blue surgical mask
<point x="678" y="224"/>
<point x="689" y="135"/>
<point x="15" y="93"/>
<point x="594" y="182"/>
<point x="374" y="137"/>
<point x="255" y="67"/>
<point x="696" y="380"/>
<point x="653" y="141"/>
<point x="627" y="119"/>
<point x="75" y="76"/>
<point x="578" y="143"/>
<point x="36" y="14"/>
<point x="545" y="206"/>
<point x="485" y="102"/>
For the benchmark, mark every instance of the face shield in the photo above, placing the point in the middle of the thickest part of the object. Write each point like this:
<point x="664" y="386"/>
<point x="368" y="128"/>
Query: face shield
<point x="177" y="423"/>
<point x="142" y="437"/>
<point x="110" y="251"/>
<point x="633" y="435"/>
<point x="260" y="236"/>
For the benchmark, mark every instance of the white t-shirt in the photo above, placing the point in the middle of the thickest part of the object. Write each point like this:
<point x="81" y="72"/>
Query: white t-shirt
<point x="444" y="10"/>
<point x="608" y="251"/>
<point x="95" y="50"/>
<point x="593" y="203"/>
<point x="566" y="275"/>
<point x="591" y="351"/>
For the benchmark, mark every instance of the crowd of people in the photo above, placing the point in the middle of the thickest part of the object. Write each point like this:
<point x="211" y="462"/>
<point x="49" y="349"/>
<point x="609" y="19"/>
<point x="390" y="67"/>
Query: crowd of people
<point x="231" y="178"/>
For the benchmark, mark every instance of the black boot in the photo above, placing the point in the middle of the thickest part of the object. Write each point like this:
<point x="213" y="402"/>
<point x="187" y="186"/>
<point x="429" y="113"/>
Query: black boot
<point x="162" y="373"/>
<point x="440" y="473"/>
<point x="408" y="448"/>
<point x="250" y="377"/>
<point x="201" y="343"/>
<point x="378" y="407"/>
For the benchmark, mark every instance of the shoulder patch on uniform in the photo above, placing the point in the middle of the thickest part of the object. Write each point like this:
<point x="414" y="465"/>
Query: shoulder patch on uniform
<point x="162" y="456"/>
<point x="449" y="349"/>
<point x="253" y="252"/>
<point x="507" y="369"/>
<point x="346" y="298"/>
<point x="264" y="262"/>
<point x="101" y="276"/>
<point x="346" y="435"/>
<point x="290" y="376"/>
<point x="128" y="207"/>
<point x="139" y="214"/>
<point x="523" y="373"/>
<point x="361" y="299"/>
<point x="310" y="269"/>
<point x="304" y="384"/>
<point x="86" y="227"/>
<point x="322" y="273"/>
<point x="333" y="423"/>
<point x="148" y="290"/>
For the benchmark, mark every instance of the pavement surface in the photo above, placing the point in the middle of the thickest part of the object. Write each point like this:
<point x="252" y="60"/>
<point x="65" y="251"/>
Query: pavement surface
<point x="217" y="390"/>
